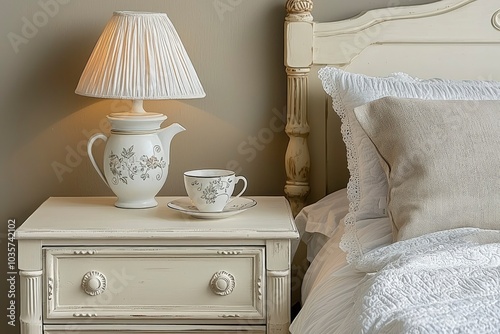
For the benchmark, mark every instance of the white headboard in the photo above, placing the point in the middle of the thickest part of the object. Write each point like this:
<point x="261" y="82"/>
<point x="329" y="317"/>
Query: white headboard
<point x="454" y="39"/>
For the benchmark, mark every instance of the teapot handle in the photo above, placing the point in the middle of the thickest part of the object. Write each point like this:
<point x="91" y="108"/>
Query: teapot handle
<point x="91" y="157"/>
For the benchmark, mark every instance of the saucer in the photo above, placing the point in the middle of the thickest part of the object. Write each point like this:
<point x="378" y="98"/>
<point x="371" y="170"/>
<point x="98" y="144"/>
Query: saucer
<point x="238" y="205"/>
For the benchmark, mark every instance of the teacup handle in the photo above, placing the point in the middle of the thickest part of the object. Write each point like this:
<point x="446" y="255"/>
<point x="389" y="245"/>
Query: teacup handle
<point x="237" y="179"/>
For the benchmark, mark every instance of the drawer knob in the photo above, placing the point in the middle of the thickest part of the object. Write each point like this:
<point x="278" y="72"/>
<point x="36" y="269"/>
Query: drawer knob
<point x="94" y="283"/>
<point x="222" y="283"/>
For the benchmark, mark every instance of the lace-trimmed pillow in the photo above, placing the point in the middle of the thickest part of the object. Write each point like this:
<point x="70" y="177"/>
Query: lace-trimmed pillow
<point x="367" y="187"/>
<point x="441" y="160"/>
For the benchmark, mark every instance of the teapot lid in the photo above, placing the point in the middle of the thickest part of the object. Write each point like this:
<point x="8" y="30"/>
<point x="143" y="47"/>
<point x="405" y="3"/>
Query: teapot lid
<point x="134" y="122"/>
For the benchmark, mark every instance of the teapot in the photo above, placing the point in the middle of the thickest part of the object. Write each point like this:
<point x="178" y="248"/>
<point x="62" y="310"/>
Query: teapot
<point x="136" y="158"/>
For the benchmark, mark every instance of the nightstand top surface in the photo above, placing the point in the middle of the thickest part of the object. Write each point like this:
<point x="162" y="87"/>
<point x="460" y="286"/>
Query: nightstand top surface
<point x="98" y="218"/>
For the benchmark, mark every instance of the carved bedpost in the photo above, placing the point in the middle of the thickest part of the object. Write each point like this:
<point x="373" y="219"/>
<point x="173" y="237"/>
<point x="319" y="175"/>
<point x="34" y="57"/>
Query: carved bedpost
<point x="298" y="31"/>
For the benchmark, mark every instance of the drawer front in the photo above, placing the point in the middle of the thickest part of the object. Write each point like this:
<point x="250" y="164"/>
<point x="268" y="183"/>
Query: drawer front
<point x="161" y="283"/>
<point x="152" y="329"/>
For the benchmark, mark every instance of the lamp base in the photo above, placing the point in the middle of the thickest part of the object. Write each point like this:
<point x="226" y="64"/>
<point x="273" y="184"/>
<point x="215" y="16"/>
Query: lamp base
<point x="135" y="122"/>
<point x="143" y="204"/>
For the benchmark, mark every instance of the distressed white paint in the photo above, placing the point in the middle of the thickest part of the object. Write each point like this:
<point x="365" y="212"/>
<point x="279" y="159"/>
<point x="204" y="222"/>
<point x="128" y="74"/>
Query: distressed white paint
<point x="155" y="282"/>
<point x="156" y="267"/>
<point x="31" y="307"/>
<point x="455" y="39"/>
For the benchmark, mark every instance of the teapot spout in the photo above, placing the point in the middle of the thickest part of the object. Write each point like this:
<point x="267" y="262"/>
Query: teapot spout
<point x="166" y="135"/>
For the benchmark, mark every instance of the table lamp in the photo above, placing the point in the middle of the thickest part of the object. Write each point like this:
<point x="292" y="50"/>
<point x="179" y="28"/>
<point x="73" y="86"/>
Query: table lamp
<point x="139" y="56"/>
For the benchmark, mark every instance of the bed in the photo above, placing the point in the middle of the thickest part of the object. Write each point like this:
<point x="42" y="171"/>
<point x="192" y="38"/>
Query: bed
<point x="393" y="167"/>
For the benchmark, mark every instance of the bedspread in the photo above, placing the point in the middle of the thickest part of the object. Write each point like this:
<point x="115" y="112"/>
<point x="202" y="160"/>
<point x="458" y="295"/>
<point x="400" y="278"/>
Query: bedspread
<point x="445" y="282"/>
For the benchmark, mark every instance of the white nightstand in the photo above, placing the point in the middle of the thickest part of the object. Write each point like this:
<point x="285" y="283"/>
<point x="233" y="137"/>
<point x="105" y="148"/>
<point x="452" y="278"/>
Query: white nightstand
<point x="88" y="267"/>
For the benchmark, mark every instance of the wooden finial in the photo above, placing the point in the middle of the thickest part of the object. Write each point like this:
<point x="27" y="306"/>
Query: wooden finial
<point x="299" y="10"/>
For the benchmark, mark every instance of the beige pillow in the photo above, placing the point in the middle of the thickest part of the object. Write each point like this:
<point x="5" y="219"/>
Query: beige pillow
<point x="442" y="161"/>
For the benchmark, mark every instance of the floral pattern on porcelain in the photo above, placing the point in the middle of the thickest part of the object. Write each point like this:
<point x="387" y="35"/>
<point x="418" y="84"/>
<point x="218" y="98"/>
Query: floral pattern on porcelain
<point x="213" y="190"/>
<point x="125" y="165"/>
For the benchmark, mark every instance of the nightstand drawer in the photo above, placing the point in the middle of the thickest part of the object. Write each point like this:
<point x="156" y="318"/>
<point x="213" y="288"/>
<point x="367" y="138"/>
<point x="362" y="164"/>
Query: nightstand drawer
<point x="161" y="283"/>
<point x="154" y="329"/>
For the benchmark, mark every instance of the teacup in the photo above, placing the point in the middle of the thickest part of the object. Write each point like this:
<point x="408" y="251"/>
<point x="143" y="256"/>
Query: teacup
<point x="210" y="190"/>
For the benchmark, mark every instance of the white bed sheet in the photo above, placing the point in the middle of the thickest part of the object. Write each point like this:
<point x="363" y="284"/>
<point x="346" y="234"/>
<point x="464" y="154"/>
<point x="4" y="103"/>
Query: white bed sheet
<point x="327" y="291"/>
<point x="329" y="283"/>
<point x="319" y="221"/>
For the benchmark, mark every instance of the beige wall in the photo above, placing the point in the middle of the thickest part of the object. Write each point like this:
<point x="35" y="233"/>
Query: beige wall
<point x="236" y="47"/>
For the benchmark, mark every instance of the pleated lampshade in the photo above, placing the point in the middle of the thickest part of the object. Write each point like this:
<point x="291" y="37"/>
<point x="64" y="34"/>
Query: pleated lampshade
<point x="139" y="56"/>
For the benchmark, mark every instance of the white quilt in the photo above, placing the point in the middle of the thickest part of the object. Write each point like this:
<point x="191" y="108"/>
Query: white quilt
<point x="445" y="282"/>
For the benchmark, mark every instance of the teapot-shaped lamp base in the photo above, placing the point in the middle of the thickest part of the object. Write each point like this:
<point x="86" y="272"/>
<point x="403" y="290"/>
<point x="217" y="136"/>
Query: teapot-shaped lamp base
<point x="136" y="157"/>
